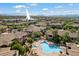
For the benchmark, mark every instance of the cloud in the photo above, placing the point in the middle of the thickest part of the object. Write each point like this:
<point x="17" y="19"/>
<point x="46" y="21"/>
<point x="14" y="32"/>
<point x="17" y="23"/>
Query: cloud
<point x="19" y="6"/>
<point x="33" y="4"/>
<point x="59" y="12"/>
<point x="20" y="9"/>
<point x="52" y="12"/>
<point x="45" y="9"/>
<point x="24" y="6"/>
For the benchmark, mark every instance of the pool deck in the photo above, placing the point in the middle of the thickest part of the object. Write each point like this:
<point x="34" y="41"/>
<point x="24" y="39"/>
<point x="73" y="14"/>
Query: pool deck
<point x="74" y="51"/>
<point x="39" y="52"/>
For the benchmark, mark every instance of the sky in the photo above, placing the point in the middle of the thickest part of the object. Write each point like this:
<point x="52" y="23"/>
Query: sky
<point x="45" y="9"/>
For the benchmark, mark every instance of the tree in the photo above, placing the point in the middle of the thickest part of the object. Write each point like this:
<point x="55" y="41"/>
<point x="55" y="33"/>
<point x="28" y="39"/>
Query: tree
<point x="16" y="45"/>
<point x="68" y="25"/>
<point x="30" y="40"/>
<point x="66" y="38"/>
<point x="56" y="38"/>
<point x="73" y="30"/>
<point x="55" y="32"/>
<point x="77" y="41"/>
<point x="2" y="28"/>
<point x="37" y="34"/>
<point x="43" y="32"/>
<point x="23" y="50"/>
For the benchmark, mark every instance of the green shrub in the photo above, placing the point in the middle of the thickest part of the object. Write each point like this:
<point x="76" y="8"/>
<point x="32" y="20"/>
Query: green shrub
<point x="37" y="34"/>
<point x="16" y="46"/>
<point x="73" y="30"/>
<point x="30" y="40"/>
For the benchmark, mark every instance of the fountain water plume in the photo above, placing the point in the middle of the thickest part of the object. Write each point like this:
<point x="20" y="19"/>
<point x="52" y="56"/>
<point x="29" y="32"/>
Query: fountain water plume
<point x="27" y="15"/>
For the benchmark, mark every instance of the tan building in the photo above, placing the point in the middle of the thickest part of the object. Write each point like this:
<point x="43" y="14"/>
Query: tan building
<point x="34" y="28"/>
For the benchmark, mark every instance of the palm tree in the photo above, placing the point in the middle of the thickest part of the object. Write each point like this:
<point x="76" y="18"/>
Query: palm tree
<point x="68" y="25"/>
<point x="56" y="37"/>
<point x="65" y="39"/>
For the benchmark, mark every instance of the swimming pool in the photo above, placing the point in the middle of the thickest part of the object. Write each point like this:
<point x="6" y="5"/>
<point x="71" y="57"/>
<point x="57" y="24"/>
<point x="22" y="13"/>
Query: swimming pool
<point x="49" y="48"/>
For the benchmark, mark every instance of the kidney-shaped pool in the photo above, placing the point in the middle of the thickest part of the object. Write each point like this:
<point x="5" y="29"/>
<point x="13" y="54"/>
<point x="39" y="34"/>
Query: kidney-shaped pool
<point x="46" y="48"/>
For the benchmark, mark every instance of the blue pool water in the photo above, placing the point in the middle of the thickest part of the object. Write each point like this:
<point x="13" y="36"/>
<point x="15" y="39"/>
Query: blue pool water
<point x="49" y="49"/>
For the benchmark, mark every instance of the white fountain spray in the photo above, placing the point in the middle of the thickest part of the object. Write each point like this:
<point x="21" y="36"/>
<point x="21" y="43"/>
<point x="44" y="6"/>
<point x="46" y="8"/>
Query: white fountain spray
<point x="27" y="15"/>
